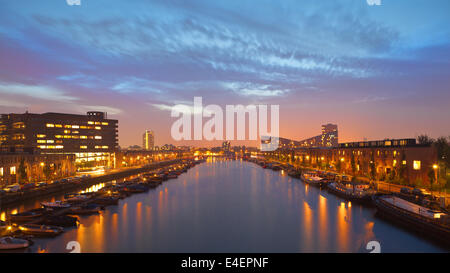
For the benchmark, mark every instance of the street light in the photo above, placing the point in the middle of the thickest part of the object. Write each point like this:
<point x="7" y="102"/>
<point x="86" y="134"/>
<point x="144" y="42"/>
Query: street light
<point x="436" y="167"/>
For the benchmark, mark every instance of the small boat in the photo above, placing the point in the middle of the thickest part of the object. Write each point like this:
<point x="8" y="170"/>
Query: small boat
<point x="276" y="167"/>
<point x="312" y="179"/>
<point x="76" y="198"/>
<point x="135" y="189"/>
<point x="360" y="193"/>
<point x="85" y="210"/>
<point x="60" y="221"/>
<point x="10" y="243"/>
<point x="108" y="200"/>
<point x="26" y="216"/>
<point x="40" y="230"/>
<point x="55" y="205"/>
<point x="172" y="175"/>
<point x="431" y="223"/>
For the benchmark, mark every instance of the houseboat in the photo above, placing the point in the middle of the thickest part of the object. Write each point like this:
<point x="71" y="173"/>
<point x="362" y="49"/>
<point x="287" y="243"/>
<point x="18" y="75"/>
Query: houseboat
<point x="431" y="223"/>
<point x="352" y="191"/>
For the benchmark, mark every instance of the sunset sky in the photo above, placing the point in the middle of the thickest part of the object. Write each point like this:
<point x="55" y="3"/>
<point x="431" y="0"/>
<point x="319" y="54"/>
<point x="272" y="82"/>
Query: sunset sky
<point x="377" y="71"/>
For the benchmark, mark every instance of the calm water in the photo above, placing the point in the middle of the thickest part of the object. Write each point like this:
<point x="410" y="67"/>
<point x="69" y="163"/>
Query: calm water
<point x="235" y="206"/>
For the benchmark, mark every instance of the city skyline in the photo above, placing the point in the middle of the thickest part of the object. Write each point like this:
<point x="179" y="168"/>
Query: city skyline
<point x="376" y="71"/>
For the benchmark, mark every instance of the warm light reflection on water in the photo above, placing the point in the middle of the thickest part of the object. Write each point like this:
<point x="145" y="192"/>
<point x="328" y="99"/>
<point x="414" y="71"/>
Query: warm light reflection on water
<point x="94" y="188"/>
<point x="233" y="206"/>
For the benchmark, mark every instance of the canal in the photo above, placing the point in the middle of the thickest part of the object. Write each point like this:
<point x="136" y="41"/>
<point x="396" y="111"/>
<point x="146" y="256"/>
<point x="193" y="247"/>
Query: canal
<point x="235" y="206"/>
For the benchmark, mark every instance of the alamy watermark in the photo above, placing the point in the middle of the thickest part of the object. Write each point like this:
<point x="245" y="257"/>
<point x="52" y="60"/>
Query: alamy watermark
<point x="73" y="2"/>
<point x="192" y="117"/>
<point x="374" y="2"/>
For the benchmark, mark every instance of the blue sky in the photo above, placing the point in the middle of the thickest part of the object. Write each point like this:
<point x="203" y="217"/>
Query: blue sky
<point x="377" y="71"/>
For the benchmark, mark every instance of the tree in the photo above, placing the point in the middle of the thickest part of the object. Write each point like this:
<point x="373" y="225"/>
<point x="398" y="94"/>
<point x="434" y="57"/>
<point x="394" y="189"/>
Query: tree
<point x="402" y="169"/>
<point x="47" y="171"/>
<point x="373" y="168"/>
<point x="443" y="150"/>
<point x="425" y="140"/>
<point x="431" y="177"/>
<point x="338" y="166"/>
<point x="353" y="163"/>
<point x="303" y="160"/>
<point x="22" y="171"/>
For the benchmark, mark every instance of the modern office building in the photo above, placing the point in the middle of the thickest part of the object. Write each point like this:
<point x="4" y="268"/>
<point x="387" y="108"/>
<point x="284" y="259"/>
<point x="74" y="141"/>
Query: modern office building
<point x="148" y="140"/>
<point x="328" y="138"/>
<point x="92" y="138"/>
<point x="226" y="145"/>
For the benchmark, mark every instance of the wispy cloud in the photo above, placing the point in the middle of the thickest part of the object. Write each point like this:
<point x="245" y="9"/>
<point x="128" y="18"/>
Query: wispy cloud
<point x="250" y="89"/>
<point x="41" y="92"/>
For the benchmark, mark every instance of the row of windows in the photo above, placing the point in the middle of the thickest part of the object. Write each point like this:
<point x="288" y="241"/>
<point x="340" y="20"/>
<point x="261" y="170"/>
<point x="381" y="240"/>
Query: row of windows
<point x="96" y="147"/>
<point x="51" y="147"/>
<point x="51" y="125"/>
<point x="68" y="136"/>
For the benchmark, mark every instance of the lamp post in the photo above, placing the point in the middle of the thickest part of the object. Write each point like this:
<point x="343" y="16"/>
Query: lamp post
<point x="436" y="168"/>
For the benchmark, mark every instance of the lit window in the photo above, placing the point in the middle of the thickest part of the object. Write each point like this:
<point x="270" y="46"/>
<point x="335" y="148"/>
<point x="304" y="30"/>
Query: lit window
<point x="83" y="147"/>
<point x="90" y="122"/>
<point x="75" y="126"/>
<point x="1" y="171"/>
<point x="40" y="136"/>
<point x="50" y="125"/>
<point x="18" y="125"/>
<point x="105" y="147"/>
<point x="105" y="123"/>
<point x="59" y="136"/>
<point x="66" y="131"/>
<point x="83" y="137"/>
<point x="59" y="147"/>
<point x="41" y="141"/>
<point x="50" y="141"/>
<point x="416" y="164"/>
<point x="98" y="128"/>
<point x="98" y="137"/>
<point x="394" y="163"/>
<point x="12" y="170"/>
<point x="67" y="126"/>
<point x="58" y="126"/>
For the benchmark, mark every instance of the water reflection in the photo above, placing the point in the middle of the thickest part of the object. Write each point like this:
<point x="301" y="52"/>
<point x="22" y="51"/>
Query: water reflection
<point x="233" y="206"/>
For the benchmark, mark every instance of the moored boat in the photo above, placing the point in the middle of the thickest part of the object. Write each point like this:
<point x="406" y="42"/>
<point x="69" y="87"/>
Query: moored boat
<point x="26" y="216"/>
<point x="312" y="179"/>
<point x="360" y="193"/>
<point x="76" y="198"/>
<point x="10" y="243"/>
<point x="40" y="230"/>
<point x="55" y="205"/>
<point x="431" y="223"/>
<point x="84" y="210"/>
<point x="60" y="221"/>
